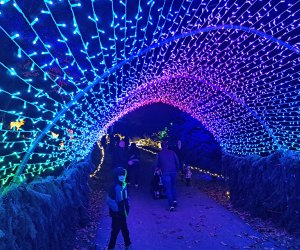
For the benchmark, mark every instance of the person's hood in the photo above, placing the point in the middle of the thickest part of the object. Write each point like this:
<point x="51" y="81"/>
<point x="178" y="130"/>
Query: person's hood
<point x="117" y="172"/>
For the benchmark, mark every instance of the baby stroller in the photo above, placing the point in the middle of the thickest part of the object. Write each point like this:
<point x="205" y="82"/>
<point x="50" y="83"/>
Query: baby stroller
<point x="157" y="188"/>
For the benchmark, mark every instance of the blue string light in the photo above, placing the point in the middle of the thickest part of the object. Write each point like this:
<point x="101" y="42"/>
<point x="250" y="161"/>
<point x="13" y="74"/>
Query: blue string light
<point x="72" y="68"/>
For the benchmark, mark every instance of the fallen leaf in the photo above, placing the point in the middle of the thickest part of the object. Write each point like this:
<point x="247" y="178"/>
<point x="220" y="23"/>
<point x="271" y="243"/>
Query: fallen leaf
<point x="222" y="243"/>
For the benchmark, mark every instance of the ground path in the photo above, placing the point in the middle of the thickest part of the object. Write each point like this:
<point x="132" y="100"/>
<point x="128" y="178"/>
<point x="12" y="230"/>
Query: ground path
<point x="197" y="223"/>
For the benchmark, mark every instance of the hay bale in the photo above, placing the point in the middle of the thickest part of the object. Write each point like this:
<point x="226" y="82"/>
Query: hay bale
<point x="41" y="214"/>
<point x="267" y="186"/>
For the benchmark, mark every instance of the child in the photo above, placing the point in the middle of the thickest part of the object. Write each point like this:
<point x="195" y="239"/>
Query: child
<point x="117" y="200"/>
<point x="188" y="175"/>
<point x="157" y="185"/>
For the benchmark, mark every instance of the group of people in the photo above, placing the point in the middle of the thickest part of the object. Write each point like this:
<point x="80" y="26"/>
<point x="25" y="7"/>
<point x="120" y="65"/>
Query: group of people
<point x="125" y="164"/>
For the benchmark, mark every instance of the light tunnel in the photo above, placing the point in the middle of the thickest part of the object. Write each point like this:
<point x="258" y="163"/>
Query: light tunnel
<point x="70" y="69"/>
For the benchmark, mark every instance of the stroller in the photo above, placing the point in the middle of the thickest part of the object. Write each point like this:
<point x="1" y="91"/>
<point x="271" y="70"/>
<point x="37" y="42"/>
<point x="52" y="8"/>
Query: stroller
<point x="157" y="188"/>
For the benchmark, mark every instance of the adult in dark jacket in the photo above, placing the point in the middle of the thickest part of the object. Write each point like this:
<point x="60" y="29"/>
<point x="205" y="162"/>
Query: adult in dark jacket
<point x="134" y="164"/>
<point x="179" y="152"/>
<point x="167" y="161"/>
<point x="117" y="200"/>
<point x="120" y="156"/>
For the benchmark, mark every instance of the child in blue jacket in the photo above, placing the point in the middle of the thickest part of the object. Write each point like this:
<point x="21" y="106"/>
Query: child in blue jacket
<point x="117" y="201"/>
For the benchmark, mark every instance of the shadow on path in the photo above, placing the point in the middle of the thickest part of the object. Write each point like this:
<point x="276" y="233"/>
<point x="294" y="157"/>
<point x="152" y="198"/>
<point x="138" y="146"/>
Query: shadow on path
<point x="197" y="223"/>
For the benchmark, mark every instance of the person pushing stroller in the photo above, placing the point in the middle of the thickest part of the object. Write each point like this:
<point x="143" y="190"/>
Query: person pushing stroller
<point x="168" y="162"/>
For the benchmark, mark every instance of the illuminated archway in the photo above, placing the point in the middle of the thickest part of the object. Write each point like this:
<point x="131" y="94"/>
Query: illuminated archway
<point x="233" y="67"/>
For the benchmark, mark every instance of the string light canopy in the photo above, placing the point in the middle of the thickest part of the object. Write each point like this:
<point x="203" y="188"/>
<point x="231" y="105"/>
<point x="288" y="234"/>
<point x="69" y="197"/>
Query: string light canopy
<point x="69" y="69"/>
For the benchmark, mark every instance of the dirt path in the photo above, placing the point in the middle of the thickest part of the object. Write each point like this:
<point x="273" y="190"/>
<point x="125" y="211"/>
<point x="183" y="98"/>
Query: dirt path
<point x="197" y="223"/>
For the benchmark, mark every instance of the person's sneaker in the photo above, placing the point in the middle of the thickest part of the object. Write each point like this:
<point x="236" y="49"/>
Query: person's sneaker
<point x="172" y="208"/>
<point x="128" y="247"/>
<point x="175" y="203"/>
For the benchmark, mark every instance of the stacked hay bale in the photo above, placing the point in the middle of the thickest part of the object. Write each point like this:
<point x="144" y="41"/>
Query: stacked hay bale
<point x="44" y="213"/>
<point x="267" y="186"/>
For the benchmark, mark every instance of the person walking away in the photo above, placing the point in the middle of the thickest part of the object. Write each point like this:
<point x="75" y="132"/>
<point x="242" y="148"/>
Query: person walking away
<point x="180" y="154"/>
<point x="120" y="156"/>
<point x="168" y="162"/>
<point x="134" y="164"/>
<point x="188" y="175"/>
<point x="126" y="140"/>
<point x="117" y="201"/>
<point x="103" y="141"/>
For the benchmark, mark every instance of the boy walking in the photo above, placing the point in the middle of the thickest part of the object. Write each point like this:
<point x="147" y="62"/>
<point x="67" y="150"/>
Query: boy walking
<point x="117" y="201"/>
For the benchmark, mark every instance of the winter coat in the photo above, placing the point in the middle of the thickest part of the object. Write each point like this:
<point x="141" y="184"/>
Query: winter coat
<point x="120" y="157"/>
<point x="117" y="198"/>
<point x="167" y="161"/>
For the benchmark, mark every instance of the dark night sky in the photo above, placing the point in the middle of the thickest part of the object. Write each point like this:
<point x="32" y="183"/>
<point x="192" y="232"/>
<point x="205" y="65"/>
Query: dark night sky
<point x="146" y="120"/>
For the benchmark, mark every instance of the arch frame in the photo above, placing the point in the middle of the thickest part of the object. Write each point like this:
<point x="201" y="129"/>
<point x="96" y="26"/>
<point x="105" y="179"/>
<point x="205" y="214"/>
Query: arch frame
<point x="132" y="57"/>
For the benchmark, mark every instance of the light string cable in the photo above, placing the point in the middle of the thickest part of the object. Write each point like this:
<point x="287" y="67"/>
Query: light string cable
<point x="12" y="167"/>
<point x="64" y="40"/>
<point x="209" y="84"/>
<point x="250" y="45"/>
<point x="69" y="53"/>
<point x="48" y="52"/>
<point x="102" y="49"/>
<point x="85" y="51"/>
<point x="132" y="68"/>
<point x="143" y="58"/>
<point x="114" y="49"/>
<point x="38" y="107"/>
<point x="30" y="86"/>
<point x="183" y="54"/>
<point x="34" y="120"/>
<point x="155" y="40"/>
<point x="180" y="104"/>
<point x="166" y="18"/>
<point x="129" y="60"/>
<point x="91" y="110"/>
<point x="25" y="102"/>
<point x="235" y="99"/>
<point x="85" y="45"/>
<point x="161" y="54"/>
<point x="123" y="51"/>
<point x="39" y="94"/>
<point x="200" y="18"/>
<point x="143" y="72"/>
<point x="33" y="104"/>
<point x="276" y="80"/>
<point x="97" y="170"/>
<point x="31" y="25"/>
<point x="27" y="81"/>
